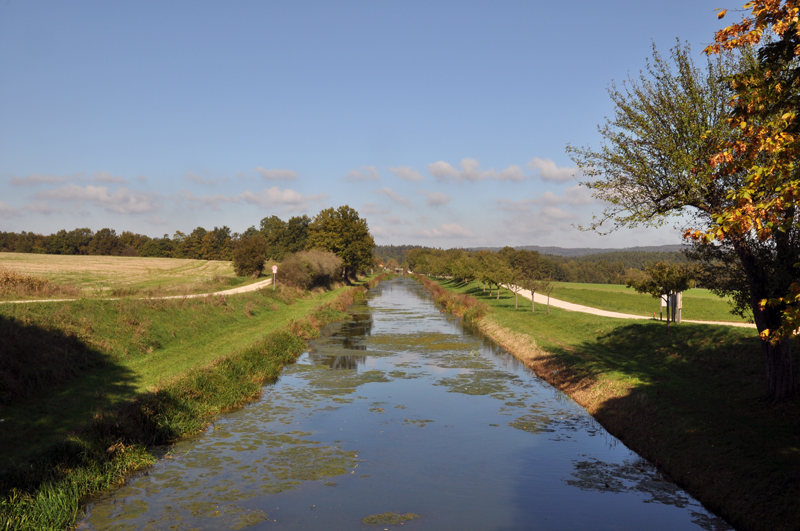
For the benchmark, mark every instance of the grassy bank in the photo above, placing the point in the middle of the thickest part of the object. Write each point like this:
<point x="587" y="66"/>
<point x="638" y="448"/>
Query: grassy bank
<point x="692" y="402"/>
<point x="698" y="304"/>
<point x="161" y="376"/>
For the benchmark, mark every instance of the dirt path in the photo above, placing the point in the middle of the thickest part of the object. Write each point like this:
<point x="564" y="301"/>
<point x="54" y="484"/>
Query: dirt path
<point x="542" y="299"/>
<point x="232" y="291"/>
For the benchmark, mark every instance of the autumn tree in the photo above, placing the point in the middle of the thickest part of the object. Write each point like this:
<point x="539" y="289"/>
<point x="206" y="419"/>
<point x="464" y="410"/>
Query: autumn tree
<point x="342" y="232"/>
<point x="765" y="103"/>
<point x="660" y="159"/>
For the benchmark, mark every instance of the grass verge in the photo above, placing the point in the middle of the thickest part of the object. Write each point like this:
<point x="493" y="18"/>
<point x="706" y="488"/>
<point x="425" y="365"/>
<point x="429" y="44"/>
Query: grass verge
<point x="693" y="402"/>
<point x="46" y="490"/>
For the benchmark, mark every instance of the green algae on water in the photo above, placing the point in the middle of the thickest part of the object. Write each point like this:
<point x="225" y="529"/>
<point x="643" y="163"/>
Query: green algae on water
<point x="417" y="422"/>
<point x="536" y="423"/>
<point x="388" y="518"/>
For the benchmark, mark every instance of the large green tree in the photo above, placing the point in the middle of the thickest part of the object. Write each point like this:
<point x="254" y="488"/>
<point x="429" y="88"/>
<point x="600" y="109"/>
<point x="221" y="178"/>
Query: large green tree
<point x="656" y="163"/>
<point x="342" y="232"/>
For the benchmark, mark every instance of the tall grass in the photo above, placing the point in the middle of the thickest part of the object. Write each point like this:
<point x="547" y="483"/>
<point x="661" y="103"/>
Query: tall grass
<point x="18" y="285"/>
<point x="47" y="491"/>
<point x="465" y="306"/>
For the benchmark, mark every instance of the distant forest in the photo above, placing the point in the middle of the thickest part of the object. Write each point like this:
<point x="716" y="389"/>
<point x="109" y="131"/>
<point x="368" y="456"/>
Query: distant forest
<point x="606" y="267"/>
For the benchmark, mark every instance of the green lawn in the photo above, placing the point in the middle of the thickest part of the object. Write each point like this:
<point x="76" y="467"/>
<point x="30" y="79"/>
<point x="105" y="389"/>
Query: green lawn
<point x="698" y="304"/>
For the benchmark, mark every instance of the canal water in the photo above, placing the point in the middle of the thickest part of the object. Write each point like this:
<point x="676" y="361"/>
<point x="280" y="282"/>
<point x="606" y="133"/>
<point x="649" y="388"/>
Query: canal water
<point x="402" y="410"/>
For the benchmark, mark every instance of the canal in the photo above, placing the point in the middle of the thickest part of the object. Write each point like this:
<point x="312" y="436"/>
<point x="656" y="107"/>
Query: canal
<point x="402" y="410"/>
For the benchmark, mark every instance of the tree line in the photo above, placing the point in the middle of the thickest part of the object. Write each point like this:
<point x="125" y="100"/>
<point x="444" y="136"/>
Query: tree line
<point x="605" y="268"/>
<point x="337" y="230"/>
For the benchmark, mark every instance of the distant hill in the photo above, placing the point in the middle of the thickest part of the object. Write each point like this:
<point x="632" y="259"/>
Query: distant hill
<point x="584" y="251"/>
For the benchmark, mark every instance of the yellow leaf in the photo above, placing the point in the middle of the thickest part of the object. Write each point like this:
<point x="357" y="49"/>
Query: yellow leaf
<point x="721" y="14"/>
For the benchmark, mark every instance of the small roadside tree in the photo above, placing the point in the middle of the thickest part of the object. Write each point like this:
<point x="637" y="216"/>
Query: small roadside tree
<point x="665" y="281"/>
<point x="249" y="255"/>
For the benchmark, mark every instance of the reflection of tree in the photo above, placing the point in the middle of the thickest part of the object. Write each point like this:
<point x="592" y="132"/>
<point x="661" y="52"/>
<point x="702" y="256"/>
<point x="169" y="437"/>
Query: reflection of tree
<point x="351" y="332"/>
<point x="337" y="362"/>
<point x="639" y="476"/>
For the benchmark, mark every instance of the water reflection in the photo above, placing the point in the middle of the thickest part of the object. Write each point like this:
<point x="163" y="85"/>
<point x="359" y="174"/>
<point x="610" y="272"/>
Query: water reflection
<point x="401" y="411"/>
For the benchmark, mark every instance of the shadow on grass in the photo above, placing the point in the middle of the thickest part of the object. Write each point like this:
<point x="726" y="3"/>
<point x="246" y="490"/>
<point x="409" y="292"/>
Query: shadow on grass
<point x="694" y="402"/>
<point x="36" y="358"/>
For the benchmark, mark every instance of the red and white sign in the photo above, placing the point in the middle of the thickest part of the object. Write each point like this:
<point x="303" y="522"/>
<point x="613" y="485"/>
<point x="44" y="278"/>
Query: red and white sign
<point x="274" y="269"/>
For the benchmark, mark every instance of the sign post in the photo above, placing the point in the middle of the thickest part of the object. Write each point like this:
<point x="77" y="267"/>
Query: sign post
<point x="274" y="272"/>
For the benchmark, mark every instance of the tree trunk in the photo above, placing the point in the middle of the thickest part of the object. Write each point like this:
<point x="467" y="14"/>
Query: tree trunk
<point x="516" y="300"/>
<point x="498" y="292"/>
<point x="781" y="381"/>
<point x="533" y="307"/>
<point x="780" y="374"/>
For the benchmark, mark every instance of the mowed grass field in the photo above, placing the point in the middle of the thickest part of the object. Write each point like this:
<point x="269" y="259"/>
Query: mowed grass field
<point x="119" y="275"/>
<point x="698" y="304"/>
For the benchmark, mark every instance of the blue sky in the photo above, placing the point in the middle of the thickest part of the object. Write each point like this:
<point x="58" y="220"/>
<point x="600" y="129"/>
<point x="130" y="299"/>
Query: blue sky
<point x="442" y="123"/>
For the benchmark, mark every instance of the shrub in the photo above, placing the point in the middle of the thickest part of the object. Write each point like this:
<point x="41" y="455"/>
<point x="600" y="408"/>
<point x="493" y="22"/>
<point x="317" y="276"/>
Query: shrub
<point x="311" y="269"/>
<point x="18" y="284"/>
<point x="249" y="255"/>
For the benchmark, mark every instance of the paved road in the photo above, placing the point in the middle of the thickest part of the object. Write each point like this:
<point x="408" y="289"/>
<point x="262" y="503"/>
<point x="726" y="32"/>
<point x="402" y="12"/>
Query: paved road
<point x="542" y="299"/>
<point x="232" y="291"/>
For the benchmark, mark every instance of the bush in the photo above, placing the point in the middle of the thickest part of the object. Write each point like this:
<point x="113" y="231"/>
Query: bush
<point x="249" y="255"/>
<point x="311" y="269"/>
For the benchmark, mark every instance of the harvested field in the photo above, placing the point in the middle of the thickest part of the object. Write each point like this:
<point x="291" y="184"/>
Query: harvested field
<point x="118" y="275"/>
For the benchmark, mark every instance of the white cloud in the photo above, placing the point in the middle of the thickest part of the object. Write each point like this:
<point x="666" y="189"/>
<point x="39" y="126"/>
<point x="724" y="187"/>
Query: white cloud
<point x="156" y="220"/>
<point x="373" y="208"/>
<point x="276" y="174"/>
<point x="409" y="174"/>
<point x="38" y="178"/>
<point x="469" y="172"/>
<point x="192" y="178"/>
<point x="210" y="201"/>
<point x="435" y="198"/>
<point x="6" y="211"/>
<point x="121" y="201"/>
<point x="365" y="173"/>
<point x="394" y="196"/>
<point x="509" y="205"/>
<point x="288" y="199"/>
<point x="548" y="170"/>
<point x="105" y="177"/>
<point x="574" y="195"/>
<point x="40" y="207"/>
<point x="447" y="230"/>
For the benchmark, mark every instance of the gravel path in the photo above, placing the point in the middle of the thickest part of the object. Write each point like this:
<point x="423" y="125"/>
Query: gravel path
<point x="232" y="291"/>
<point x="542" y="299"/>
